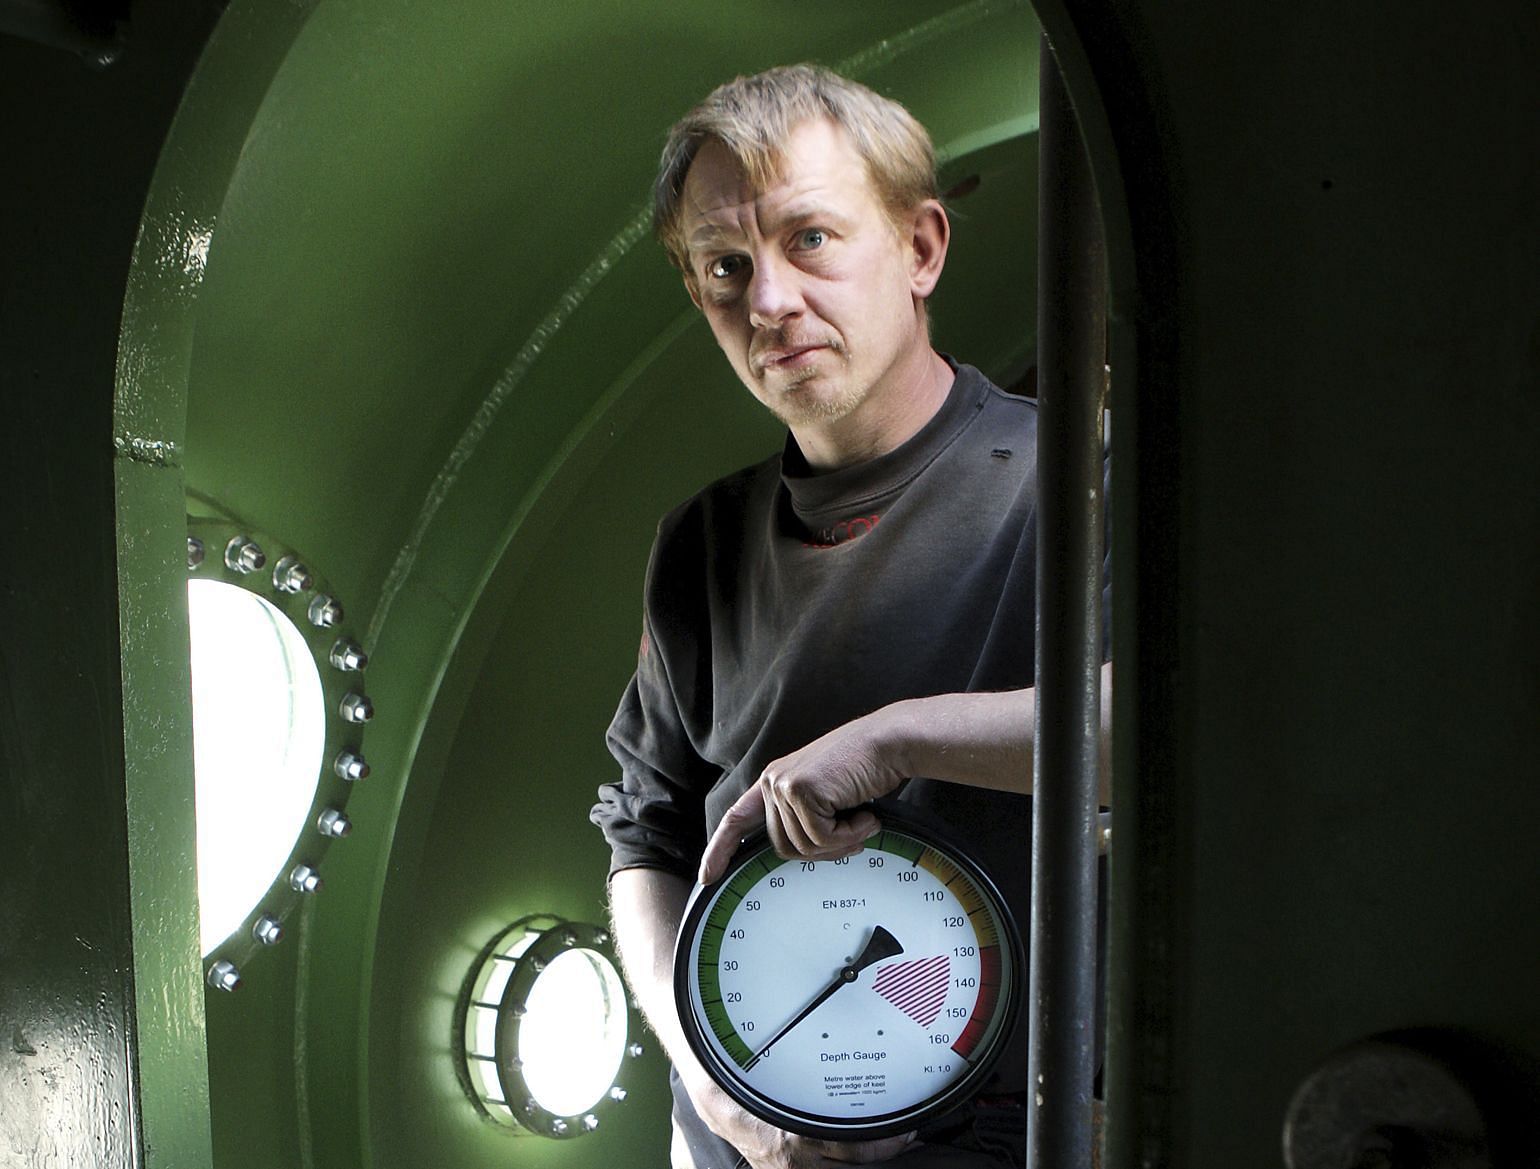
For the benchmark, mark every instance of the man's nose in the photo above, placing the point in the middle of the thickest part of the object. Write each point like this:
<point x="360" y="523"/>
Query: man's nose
<point x="774" y="293"/>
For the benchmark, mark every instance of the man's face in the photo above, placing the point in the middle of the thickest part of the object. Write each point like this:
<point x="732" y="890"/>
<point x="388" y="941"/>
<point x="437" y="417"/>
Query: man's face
<point x="807" y="286"/>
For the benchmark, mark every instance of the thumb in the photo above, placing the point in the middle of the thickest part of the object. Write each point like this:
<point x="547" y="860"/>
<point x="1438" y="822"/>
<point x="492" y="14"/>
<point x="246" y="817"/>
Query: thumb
<point x="747" y="813"/>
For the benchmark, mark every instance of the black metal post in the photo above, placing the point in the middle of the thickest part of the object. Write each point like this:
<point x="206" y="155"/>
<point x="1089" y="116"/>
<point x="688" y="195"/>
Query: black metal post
<point x="1071" y="348"/>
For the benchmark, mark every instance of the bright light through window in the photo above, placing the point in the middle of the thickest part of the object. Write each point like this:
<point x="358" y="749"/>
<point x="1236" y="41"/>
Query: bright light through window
<point x="259" y="731"/>
<point x="570" y="1023"/>
<point x="574" y="1035"/>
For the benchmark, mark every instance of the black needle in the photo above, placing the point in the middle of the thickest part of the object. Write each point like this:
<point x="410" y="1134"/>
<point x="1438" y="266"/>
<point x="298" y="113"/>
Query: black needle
<point x="879" y="946"/>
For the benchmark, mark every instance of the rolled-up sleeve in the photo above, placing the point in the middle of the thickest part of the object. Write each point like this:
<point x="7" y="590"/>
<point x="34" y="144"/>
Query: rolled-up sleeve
<point x="653" y="816"/>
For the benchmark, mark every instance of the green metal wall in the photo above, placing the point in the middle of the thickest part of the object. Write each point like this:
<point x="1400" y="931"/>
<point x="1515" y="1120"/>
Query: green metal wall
<point x="396" y="269"/>
<point x="391" y="303"/>
<point x="101" y="1024"/>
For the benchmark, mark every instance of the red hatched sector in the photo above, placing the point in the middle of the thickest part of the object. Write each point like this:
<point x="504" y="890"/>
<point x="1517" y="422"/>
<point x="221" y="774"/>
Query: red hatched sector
<point x="918" y="987"/>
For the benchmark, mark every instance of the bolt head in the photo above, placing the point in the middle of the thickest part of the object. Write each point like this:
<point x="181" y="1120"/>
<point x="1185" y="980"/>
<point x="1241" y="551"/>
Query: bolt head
<point x="635" y="1050"/>
<point x="350" y="765"/>
<point x="267" y="930"/>
<point x="334" y="823"/>
<point x="290" y="576"/>
<point x="244" y="555"/>
<point x="590" y="1122"/>
<point x="304" y="879"/>
<point x="223" y="975"/>
<point x="324" y="611"/>
<point x="559" y="1127"/>
<point x="349" y="655"/>
<point x="356" y="707"/>
<point x="617" y="1093"/>
<point x="195" y="552"/>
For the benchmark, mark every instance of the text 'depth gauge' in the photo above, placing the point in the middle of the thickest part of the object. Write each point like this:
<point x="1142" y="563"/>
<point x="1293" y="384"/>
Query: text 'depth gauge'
<point x="855" y="998"/>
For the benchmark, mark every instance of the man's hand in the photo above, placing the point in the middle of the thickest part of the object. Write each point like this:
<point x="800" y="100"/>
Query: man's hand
<point x="767" y="1147"/>
<point x="983" y="740"/>
<point x="646" y="907"/>
<point x="799" y="796"/>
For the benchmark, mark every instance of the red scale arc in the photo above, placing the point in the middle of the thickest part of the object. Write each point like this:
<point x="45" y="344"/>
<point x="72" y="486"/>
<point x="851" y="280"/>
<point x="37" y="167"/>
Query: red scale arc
<point x="984" y="1006"/>
<point x="918" y="987"/>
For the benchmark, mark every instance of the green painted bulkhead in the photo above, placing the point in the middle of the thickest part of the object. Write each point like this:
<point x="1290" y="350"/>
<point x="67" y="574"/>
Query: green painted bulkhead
<point x="430" y="344"/>
<point x="372" y="279"/>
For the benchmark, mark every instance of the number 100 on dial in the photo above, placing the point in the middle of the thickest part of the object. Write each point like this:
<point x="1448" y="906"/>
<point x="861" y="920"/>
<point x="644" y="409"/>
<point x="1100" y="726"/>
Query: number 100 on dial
<point x="849" y="999"/>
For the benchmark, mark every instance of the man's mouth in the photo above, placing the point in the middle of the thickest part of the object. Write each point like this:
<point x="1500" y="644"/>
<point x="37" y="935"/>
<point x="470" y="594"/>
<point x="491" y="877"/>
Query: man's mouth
<point x="787" y="356"/>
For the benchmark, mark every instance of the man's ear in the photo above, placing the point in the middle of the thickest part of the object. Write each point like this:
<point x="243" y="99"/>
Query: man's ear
<point x="690" y="287"/>
<point x="928" y="241"/>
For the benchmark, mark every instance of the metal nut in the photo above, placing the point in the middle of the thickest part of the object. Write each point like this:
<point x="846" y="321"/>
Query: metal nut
<point x="244" y="555"/>
<point x="334" y="823"/>
<point x="290" y="576"/>
<point x="267" y="930"/>
<point x="324" y="611"/>
<point x="349" y="655"/>
<point x="350" y="765"/>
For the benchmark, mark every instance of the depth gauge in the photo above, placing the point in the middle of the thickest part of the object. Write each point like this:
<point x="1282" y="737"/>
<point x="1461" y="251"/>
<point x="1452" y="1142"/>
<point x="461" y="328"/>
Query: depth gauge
<point x="850" y="999"/>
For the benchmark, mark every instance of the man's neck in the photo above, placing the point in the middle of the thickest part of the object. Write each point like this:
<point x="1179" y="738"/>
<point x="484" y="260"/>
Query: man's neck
<point x="884" y="421"/>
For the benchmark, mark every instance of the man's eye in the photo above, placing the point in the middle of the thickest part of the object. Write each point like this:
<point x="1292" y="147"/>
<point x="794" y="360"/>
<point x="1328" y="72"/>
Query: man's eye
<point x="725" y="268"/>
<point x="813" y="237"/>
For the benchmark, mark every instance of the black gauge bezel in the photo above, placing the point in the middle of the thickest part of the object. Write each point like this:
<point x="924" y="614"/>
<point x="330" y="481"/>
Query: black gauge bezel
<point x="794" y="1120"/>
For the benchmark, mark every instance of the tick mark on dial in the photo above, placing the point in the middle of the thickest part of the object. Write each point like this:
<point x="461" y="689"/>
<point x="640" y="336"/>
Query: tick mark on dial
<point x="880" y="945"/>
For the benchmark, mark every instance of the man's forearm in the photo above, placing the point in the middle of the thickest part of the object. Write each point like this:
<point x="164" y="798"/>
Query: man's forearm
<point x="984" y="740"/>
<point x="646" y="906"/>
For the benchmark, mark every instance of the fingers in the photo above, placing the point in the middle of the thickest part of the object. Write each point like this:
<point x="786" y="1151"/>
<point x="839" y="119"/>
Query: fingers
<point x="794" y="832"/>
<point x="867" y="1152"/>
<point x="800" y="798"/>
<point x="767" y="1147"/>
<point x="747" y="812"/>
<point x="862" y="825"/>
<point x="791" y="836"/>
<point x="802" y="824"/>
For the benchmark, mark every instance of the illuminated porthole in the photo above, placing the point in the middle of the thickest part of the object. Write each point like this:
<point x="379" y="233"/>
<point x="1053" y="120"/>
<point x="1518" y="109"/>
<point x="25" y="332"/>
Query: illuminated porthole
<point x="279" y="713"/>
<point x="547" y="1027"/>
<point x="259" y="738"/>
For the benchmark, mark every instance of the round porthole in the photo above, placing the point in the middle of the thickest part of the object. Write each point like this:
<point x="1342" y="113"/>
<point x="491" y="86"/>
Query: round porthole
<point x="259" y="736"/>
<point x="279" y="713"/>
<point x="547" y="1028"/>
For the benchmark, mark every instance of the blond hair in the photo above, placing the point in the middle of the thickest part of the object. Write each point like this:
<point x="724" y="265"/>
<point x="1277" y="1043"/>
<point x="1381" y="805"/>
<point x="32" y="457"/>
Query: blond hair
<point x="754" y="116"/>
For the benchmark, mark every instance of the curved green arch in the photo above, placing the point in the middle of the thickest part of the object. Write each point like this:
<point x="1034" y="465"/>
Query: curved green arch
<point x="388" y="309"/>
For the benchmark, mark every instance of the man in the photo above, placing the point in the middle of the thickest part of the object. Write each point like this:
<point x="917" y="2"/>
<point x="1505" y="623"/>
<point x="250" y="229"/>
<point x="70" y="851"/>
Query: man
<point x="850" y="614"/>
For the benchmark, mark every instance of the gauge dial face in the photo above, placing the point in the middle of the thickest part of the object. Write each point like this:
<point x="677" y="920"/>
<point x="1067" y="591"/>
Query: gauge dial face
<point x="849" y="999"/>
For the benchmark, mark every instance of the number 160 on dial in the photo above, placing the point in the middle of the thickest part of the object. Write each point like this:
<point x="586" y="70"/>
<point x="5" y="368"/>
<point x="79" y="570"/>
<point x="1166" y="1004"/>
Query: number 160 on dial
<point x="849" y="999"/>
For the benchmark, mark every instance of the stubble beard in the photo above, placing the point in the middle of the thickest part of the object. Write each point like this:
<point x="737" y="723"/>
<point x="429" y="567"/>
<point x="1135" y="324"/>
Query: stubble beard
<point x="795" y="402"/>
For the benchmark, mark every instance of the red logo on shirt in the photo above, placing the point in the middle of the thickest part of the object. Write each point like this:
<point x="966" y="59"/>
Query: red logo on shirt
<point x="842" y="532"/>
